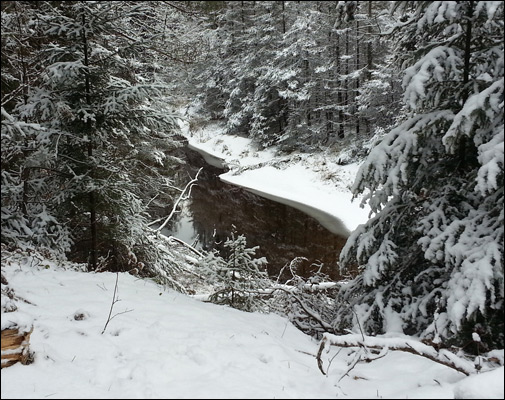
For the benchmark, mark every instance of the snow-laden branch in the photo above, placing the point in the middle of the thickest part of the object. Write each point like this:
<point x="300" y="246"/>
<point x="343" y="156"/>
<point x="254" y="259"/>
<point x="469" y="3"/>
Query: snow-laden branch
<point x="444" y="357"/>
<point x="310" y="313"/>
<point x="174" y="239"/>
<point x="183" y="196"/>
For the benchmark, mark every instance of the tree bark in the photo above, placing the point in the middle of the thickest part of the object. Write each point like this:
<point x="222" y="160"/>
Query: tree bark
<point x="466" y="77"/>
<point x="92" y="198"/>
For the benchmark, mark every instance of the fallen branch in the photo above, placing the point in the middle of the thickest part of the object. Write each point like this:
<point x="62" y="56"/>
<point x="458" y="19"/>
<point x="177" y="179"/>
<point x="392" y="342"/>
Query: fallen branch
<point x="316" y="317"/>
<point x="443" y="356"/>
<point x="174" y="239"/>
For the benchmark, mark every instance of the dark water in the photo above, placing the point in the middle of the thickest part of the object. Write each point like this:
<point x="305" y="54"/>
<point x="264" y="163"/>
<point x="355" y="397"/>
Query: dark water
<point x="281" y="232"/>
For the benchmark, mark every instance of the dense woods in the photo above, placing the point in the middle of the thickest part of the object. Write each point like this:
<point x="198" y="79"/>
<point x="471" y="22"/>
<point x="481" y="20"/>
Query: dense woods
<point x="302" y="75"/>
<point x="90" y="99"/>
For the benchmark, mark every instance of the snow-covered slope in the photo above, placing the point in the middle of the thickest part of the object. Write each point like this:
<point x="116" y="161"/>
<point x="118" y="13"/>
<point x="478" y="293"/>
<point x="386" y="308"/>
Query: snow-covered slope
<point x="162" y="344"/>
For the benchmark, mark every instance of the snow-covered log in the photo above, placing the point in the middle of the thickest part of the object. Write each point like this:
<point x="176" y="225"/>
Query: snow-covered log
<point x="15" y="346"/>
<point x="442" y="356"/>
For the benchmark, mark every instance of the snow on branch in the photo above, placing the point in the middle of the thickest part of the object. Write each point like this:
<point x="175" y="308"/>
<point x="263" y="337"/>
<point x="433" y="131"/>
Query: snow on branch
<point x="441" y="64"/>
<point x="479" y="110"/>
<point x="385" y="171"/>
<point x="311" y="313"/>
<point x="491" y="158"/>
<point x="184" y="195"/>
<point x="443" y="356"/>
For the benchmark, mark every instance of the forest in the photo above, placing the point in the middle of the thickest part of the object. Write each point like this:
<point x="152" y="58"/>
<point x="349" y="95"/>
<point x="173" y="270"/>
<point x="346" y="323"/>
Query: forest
<point x="95" y="95"/>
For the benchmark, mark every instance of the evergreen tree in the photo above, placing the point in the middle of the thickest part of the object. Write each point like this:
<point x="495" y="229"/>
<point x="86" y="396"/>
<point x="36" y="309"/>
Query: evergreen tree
<point x="86" y="130"/>
<point x="239" y="278"/>
<point x="28" y="216"/>
<point x="432" y="255"/>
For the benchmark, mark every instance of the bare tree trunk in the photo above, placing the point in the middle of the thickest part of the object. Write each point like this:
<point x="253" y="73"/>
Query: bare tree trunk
<point x="92" y="196"/>
<point x="340" y="95"/>
<point x="369" y="58"/>
<point x="466" y="77"/>
<point x="25" y="174"/>
<point x="283" y="17"/>
<point x="346" y="80"/>
<point x="357" y="79"/>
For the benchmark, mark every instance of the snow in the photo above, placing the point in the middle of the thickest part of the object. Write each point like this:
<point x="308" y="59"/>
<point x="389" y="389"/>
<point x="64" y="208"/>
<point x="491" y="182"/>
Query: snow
<point x="316" y="185"/>
<point x="474" y="386"/>
<point x="296" y="186"/>
<point x="163" y="344"/>
<point x="475" y="337"/>
<point x="20" y="320"/>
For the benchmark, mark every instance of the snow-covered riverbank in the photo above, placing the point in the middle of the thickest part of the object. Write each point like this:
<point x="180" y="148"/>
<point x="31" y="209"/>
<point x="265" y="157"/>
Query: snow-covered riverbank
<point x="312" y="183"/>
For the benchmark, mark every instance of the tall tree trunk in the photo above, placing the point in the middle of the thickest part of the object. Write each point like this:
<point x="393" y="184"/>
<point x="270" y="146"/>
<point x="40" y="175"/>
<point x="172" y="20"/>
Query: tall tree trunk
<point x="346" y="80"/>
<point x="369" y="54"/>
<point x="25" y="174"/>
<point x="468" y="49"/>
<point x="340" y="95"/>
<point x="466" y="77"/>
<point x="92" y="195"/>
<point x="357" y="79"/>
<point x="306" y="69"/>
<point x="242" y="17"/>
<point x="369" y="58"/>
<point x="283" y="17"/>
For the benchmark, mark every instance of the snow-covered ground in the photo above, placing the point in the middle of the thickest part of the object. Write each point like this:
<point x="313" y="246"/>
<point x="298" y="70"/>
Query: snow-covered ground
<point x="313" y="183"/>
<point x="162" y="344"/>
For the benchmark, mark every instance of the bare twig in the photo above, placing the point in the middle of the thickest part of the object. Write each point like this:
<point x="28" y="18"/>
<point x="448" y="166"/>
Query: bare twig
<point x="353" y="364"/>
<point x="174" y="239"/>
<point x="114" y="301"/>
<point x="329" y="362"/>
<point x="359" y="325"/>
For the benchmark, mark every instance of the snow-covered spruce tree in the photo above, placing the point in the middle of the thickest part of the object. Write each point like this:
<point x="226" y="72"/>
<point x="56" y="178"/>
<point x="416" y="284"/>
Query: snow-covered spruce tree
<point x="218" y="77"/>
<point x="109" y="139"/>
<point x="28" y="219"/>
<point x="296" y="76"/>
<point x="378" y="97"/>
<point x="238" y="278"/>
<point x="431" y="257"/>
